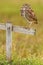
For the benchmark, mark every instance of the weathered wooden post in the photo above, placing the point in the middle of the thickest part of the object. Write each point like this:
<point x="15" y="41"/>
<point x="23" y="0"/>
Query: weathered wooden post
<point x="9" y="28"/>
<point x="8" y="40"/>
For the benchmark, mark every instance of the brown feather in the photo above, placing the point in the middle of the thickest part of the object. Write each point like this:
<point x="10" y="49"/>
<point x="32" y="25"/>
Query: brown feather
<point x="29" y="13"/>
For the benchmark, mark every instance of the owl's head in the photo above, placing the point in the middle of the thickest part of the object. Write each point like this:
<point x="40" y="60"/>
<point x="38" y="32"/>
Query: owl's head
<point x="24" y="8"/>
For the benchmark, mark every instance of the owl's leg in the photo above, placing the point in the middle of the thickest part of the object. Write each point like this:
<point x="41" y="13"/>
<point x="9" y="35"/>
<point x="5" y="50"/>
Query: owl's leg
<point x="30" y="24"/>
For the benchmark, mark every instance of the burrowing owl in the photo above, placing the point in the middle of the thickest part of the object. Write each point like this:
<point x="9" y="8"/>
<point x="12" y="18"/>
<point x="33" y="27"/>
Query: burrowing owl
<point x="28" y="14"/>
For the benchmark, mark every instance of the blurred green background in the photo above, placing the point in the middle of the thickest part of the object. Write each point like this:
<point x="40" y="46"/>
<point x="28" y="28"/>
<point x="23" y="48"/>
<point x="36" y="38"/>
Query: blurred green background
<point x="23" y="46"/>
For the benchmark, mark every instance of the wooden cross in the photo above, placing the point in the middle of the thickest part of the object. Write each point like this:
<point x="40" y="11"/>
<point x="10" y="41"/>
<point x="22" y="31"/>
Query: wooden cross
<point x="9" y="28"/>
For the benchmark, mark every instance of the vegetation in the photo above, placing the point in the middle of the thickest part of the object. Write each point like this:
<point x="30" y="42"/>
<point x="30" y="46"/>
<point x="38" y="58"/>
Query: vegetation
<point x="23" y="46"/>
<point x="23" y="61"/>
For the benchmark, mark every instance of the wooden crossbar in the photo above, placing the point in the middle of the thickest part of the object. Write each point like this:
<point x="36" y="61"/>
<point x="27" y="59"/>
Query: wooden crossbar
<point x="9" y="28"/>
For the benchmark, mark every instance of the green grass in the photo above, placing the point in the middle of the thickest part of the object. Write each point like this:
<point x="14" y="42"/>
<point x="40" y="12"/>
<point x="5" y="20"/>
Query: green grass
<point x="23" y="61"/>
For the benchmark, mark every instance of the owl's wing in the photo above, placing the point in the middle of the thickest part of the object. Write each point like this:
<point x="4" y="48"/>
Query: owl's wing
<point x="30" y="15"/>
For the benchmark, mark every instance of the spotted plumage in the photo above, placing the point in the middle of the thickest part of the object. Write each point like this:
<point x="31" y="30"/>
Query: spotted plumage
<point x="28" y="13"/>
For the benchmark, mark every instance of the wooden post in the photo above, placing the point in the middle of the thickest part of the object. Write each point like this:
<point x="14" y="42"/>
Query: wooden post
<point x="9" y="28"/>
<point x="8" y="40"/>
